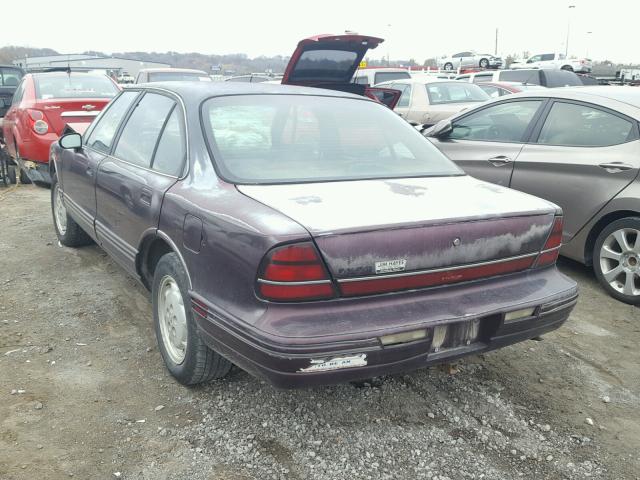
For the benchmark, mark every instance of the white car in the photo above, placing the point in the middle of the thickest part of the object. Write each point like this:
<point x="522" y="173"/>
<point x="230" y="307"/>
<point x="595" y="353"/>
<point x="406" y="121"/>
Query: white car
<point x="427" y="101"/>
<point x="554" y="61"/>
<point x="375" y="75"/>
<point x="469" y="60"/>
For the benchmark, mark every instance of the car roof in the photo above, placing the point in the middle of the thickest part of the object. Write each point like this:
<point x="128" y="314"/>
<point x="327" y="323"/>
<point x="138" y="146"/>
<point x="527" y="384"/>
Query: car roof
<point x="66" y="74"/>
<point x="198" y="91"/>
<point x="420" y="80"/>
<point x="177" y="70"/>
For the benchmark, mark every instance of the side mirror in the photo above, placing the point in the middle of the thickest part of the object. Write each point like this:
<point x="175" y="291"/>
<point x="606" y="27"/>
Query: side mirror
<point x="71" y="141"/>
<point x="440" y="129"/>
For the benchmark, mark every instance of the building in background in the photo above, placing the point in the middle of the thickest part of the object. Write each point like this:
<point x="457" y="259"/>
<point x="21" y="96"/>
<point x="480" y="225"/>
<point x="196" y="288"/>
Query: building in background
<point x="115" y="66"/>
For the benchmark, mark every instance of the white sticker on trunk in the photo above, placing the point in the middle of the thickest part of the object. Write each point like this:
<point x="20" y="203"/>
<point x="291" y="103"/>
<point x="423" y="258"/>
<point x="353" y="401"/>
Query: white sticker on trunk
<point x="322" y="365"/>
<point x="387" y="266"/>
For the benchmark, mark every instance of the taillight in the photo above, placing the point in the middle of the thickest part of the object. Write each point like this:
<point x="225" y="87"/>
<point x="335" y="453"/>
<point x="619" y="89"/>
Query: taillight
<point x="37" y="122"/>
<point x="294" y="273"/>
<point x="551" y="249"/>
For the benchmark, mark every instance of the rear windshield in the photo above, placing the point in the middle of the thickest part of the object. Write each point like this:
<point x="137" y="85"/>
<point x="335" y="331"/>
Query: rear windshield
<point x="178" y="77"/>
<point x="387" y="76"/>
<point x="300" y="138"/>
<point x="74" y="86"/>
<point x="10" y="77"/>
<point x="562" y="78"/>
<point x="454" y="92"/>
<point x="324" y="65"/>
<point x="521" y="76"/>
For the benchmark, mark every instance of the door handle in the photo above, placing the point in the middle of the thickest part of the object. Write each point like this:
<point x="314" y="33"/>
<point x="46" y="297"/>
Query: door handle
<point x="616" y="167"/>
<point x="145" y="196"/>
<point x="499" y="161"/>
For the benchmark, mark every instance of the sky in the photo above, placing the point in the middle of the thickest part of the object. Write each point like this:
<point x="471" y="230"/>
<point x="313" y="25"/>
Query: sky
<point x="412" y="29"/>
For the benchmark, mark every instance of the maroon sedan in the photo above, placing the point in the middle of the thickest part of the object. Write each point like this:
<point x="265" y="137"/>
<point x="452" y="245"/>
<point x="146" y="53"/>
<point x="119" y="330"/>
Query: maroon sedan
<point x="308" y="236"/>
<point x="500" y="89"/>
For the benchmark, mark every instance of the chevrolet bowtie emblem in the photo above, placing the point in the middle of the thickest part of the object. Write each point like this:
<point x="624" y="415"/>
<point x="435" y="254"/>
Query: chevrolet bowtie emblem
<point x="88" y="107"/>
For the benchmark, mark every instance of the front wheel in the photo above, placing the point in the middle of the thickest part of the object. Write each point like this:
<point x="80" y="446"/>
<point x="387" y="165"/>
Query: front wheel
<point x="616" y="259"/>
<point x="484" y="63"/>
<point x="184" y="353"/>
<point x="568" y="68"/>
<point x="448" y="66"/>
<point x="69" y="233"/>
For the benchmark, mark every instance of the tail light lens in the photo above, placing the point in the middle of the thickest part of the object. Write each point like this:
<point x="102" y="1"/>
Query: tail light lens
<point x="551" y="249"/>
<point x="38" y="123"/>
<point x="294" y="273"/>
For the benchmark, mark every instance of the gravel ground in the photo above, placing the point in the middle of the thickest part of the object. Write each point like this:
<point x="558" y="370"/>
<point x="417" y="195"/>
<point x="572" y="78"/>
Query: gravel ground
<point x="83" y="392"/>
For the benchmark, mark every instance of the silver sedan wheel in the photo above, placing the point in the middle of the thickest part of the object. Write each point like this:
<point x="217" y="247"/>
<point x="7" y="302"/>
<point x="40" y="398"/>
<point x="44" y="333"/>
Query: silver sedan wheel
<point x="173" y="319"/>
<point x="59" y="210"/>
<point x="620" y="261"/>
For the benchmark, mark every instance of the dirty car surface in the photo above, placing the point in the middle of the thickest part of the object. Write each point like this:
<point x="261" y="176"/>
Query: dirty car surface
<point x="309" y="237"/>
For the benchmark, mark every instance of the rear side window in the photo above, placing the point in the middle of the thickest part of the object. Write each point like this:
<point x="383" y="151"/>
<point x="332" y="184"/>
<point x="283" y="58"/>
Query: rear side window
<point x="387" y="76"/>
<point x="405" y="97"/>
<point x="330" y="65"/>
<point x="520" y="76"/>
<point x="101" y="137"/>
<point x="505" y="122"/>
<point x="141" y="132"/>
<point x="74" y="86"/>
<point x="547" y="56"/>
<point x="362" y="80"/>
<point x="171" y="151"/>
<point x="570" y="124"/>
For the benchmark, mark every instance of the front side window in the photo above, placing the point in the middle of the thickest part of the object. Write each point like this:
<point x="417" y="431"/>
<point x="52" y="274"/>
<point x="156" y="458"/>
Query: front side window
<point x="570" y="124"/>
<point x="10" y="77"/>
<point x="387" y="76"/>
<point x="74" y="86"/>
<point x="171" y="151"/>
<point x="547" y="56"/>
<point x="505" y="122"/>
<point x="303" y="138"/>
<point x="329" y="65"/>
<point x="454" y="92"/>
<point x="141" y="132"/>
<point x="101" y="137"/>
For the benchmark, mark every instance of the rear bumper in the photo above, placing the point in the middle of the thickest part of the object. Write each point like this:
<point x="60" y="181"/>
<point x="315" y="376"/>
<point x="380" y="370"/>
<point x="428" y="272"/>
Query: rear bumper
<point x="281" y="360"/>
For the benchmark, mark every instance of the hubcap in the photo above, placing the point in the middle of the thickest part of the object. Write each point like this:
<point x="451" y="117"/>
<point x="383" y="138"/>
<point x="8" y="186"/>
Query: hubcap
<point x="173" y="319"/>
<point x="59" y="210"/>
<point x="620" y="261"/>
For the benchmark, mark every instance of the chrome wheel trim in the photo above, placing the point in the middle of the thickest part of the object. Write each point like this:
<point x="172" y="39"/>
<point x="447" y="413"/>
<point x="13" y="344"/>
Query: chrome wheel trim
<point x="59" y="210"/>
<point x="620" y="261"/>
<point x="173" y="319"/>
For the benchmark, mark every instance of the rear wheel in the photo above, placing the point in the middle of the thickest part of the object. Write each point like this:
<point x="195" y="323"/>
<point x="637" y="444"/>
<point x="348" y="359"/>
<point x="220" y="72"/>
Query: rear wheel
<point x="184" y="353"/>
<point x="448" y="66"/>
<point x="69" y="233"/>
<point x="616" y="259"/>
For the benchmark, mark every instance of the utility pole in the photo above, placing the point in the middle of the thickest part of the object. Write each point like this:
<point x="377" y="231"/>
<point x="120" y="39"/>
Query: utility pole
<point x="496" y="49"/>
<point x="566" y="44"/>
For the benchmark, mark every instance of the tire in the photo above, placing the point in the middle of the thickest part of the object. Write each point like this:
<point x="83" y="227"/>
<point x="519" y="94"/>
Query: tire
<point x="69" y="233"/>
<point x="568" y="68"/>
<point x="11" y="174"/>
<point x="484" y="63"/>
<point x="185" y="355"/>
<point x="616" y="259"/>
<point x="448" y="66"/>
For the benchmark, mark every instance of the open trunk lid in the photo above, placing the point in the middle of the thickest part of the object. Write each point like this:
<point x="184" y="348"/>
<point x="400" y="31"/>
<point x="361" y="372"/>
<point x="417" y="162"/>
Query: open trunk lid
<point x="375" y="227"/>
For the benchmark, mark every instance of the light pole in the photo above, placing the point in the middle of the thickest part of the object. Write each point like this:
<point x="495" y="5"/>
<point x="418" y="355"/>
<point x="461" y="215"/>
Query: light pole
<point x="566" y="44"/>
<point x="588" y="43"/>
<point x="389" y="33"/>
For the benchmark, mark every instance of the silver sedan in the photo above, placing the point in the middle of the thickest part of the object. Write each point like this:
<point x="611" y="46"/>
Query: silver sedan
<point x="577" y="147"/>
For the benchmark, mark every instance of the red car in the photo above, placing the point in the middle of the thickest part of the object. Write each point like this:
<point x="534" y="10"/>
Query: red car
<point x="43" y="105"/>
<point x="499" y="89"/>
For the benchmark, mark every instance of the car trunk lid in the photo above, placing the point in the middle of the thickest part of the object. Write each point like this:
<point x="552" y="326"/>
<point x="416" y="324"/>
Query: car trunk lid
<point x="78" y="113"/>
<point x="377" y="227"/>
<point x="326" y="60"/>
